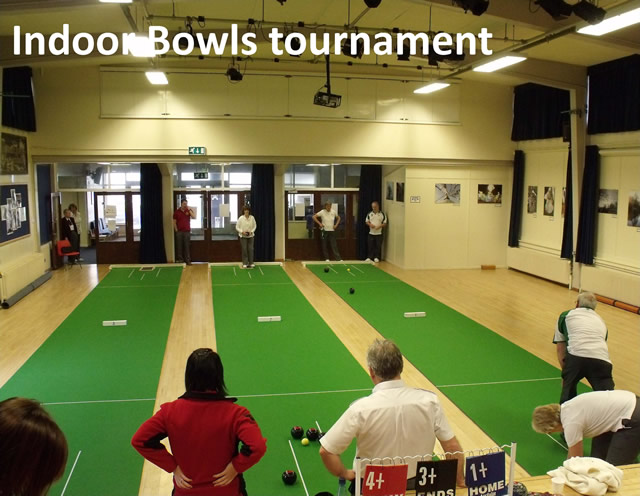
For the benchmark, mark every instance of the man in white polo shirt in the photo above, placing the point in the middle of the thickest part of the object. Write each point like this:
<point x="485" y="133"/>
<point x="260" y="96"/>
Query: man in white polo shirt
<point x="393" y="421"/>
<point x="377" y="221"/>
<point x="581" y="345"/>
<point x="611" y="418"/>
<point x="328" y="220"/>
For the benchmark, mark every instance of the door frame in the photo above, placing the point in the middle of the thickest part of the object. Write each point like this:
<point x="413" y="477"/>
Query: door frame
<point x="116" y="252"/>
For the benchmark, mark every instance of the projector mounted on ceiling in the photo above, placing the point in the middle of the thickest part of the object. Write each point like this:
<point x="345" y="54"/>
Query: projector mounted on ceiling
<point x="326" y="98"/>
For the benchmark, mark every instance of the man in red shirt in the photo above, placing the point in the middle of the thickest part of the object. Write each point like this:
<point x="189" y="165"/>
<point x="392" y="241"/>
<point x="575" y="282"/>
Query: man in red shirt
<point x="182" y="226"/>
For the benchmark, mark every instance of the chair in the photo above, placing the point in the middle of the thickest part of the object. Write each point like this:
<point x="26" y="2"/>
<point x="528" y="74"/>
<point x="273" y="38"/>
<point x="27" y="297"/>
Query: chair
<point x="64" y="243"/>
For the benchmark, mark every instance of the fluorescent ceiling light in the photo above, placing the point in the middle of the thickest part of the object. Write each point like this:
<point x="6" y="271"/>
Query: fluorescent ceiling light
<point x="116" y="1"/>
<point x="613" y="23"/>
<point x="430" y="88"/>
<point x="500" y="63"/>
<point x="317" y="165"/>
<point x="156" y="77"/>
<point x="142" y="46"/>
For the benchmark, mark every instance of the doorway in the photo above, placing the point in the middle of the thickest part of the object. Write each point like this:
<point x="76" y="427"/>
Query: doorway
<point x="213" y="231"/>
<point x="116" y="227"/>
<point x="303" y="241"/>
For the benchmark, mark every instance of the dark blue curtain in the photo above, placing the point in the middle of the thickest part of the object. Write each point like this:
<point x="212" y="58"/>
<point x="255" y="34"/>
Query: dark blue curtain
<point x="537" y="112"/>
<point x="588" y="207"/>
<point x="370" y="191"/>
<point x="517" y="199"/>
<point x="263" y="209"/>
<point x="43" y="178"/>
<point x="614" y="96"/>
<point x="152" y="232"/>
<point x="18" y="109"/>
<point x="567" y="227"/>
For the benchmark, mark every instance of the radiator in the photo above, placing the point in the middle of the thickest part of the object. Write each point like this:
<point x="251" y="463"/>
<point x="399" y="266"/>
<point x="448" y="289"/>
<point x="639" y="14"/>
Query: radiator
<point x="15" y="275"/>
<point x="539" y="262"/>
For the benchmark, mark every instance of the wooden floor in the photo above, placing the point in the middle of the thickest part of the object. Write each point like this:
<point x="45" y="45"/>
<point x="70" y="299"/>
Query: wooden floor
<point x="519" y="307"/>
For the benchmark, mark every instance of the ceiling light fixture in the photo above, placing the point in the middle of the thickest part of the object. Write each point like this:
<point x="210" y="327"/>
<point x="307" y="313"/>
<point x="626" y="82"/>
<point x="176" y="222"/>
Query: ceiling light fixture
<point x="372" y="4"/>
<point x="142" y="46"/>
<point x="589" y="12"/>
<point x="156" y="77"/>
<point x="431" y="87"/>
<point x="558" y="9"/>
<point x="501" y="63"/>
<point x="116" y="1"/>
<point x="477" y="7"/>
<point x="613" y="23"/>
<point x="346" y="48"/>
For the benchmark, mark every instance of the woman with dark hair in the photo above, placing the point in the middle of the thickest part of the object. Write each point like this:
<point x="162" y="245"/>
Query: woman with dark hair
<point x="213" y="440"/>
<point x="33" y="449"/>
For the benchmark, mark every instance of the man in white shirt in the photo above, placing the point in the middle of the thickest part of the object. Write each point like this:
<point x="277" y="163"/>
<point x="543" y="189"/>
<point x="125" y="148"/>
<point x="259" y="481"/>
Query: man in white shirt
<point x="581" y="345"/>
<point x="395" y="421"/>
<point x="328" y="221"/>
<point x="611" y="418"/>
<point x="377" y="221"/>
<point x="246" y="227"/>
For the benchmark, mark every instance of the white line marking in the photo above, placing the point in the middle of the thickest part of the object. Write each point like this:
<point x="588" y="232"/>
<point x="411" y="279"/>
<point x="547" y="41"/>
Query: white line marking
<point x="319" y="429"/>
<point x="147" y="286"/>
<point x="301" y="393"/>
<point x="260" y="270"/>
<point x="70" y="474"/>
<point x="357" y="268"/>
<point x="142" y="276"/>
<point x="97" y="401"/>
<point x="242" y="284"/>
<point x="295" y="458"/>
<point x="500" y="382"/>
<point x="158" y="271"/>
<point x="234" y="272"/>
<point x="351" y="273"/>
<point x="558" y="442"/>
<point x="249" y="275"/>
<point x="130" y="273"/>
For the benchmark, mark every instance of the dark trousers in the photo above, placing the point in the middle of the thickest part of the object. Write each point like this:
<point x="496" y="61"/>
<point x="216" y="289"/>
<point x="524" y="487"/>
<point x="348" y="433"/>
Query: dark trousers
<point x="597" y="372"/>
<point x="74" y="239"/>
<point x="374" y="244"/>
<point x="247" y="250"/>
<point x="330" y="237"/>
<point x="621" y="447"/>
<point x="183" y="246"/>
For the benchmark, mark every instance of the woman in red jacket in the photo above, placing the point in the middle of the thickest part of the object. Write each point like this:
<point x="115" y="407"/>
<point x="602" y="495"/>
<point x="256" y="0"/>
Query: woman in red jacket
<point x="213" y="440"/>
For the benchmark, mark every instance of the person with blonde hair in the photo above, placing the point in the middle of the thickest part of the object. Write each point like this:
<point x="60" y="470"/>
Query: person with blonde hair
<point x="611" y="418"/>
<point x="581" y="346"/>
<point x="33" y="449"/>
<point x="386" y="422"/>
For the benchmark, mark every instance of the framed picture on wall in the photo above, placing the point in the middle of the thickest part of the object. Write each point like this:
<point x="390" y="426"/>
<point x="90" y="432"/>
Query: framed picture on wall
<point x="532" y="199"/>
<point x="549" y="200"/>
<point x="634" y="209"/>
<point x="13" y="154"/>
<point x="390" y="190"/>
<point x="490" y="193"/>
<point x="608" y="201"/>
<point x="447" y="193"/>
<point x="14" y="212"/>
<point x="400" y="192"/>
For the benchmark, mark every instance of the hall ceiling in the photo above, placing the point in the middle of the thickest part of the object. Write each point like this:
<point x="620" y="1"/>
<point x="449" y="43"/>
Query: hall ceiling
<point x="512" y="23"/>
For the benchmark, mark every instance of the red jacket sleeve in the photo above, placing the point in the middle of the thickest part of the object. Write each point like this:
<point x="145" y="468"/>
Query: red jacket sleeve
<point x="147" y="442"/>
<point x="254" y="446"/>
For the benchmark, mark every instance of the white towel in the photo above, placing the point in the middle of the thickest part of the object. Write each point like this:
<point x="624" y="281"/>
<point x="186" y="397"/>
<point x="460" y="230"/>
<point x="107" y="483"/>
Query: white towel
<point x="589" y="476"/>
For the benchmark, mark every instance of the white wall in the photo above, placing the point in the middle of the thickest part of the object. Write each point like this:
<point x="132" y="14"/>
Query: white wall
<point x="394" y="241"/>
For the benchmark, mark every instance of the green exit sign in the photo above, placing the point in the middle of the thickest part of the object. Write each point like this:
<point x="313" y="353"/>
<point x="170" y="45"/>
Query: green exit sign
<point x="197" y="150"/>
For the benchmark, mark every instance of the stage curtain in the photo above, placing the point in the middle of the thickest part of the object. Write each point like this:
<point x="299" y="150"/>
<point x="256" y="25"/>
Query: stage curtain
<point x="614" y="96"/>
<point x="537" y="112"/>
<point x="263" y="209"/>
<point x="152" y="248"/>
<point x="588" y="207"/>
<point x="517" y="199"/>
<point x="567" y="226"/>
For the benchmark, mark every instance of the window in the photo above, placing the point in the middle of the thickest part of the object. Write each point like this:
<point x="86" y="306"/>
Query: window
<point x="322" y="176"/>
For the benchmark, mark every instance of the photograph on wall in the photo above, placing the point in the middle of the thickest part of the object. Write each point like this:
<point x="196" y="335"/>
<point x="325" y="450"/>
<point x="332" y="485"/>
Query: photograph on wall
<point x="390" y="189"/>
<point x="447" y="193"/>
<point x="608" y="201"/>
<point x="14" y="205"/>
<point x="13" y="154"/>
<point x="634" y="209"/>
<point x="400" y="192"/>
<point x="490" y="193"/>
<point x="549" y="200"/>
<point x="532" y="200"/>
